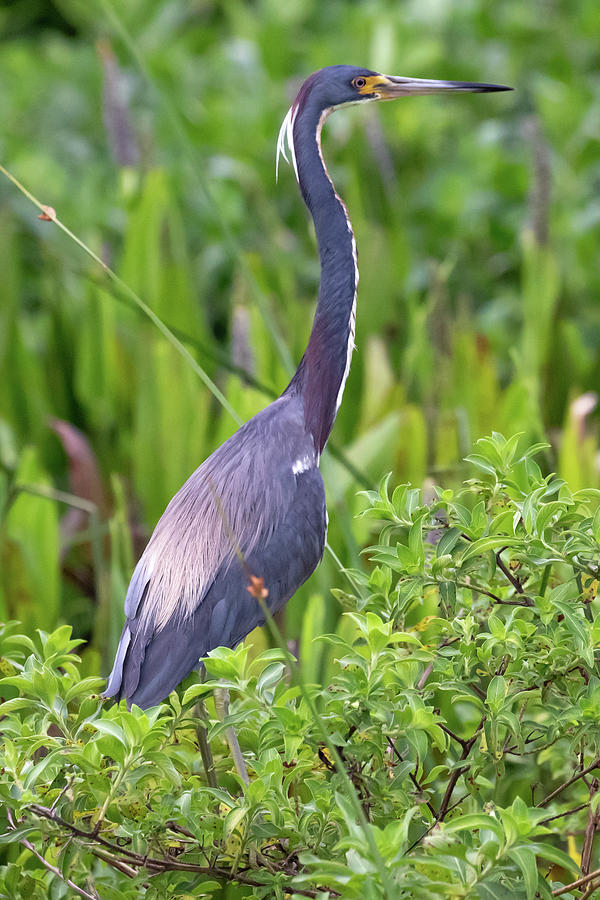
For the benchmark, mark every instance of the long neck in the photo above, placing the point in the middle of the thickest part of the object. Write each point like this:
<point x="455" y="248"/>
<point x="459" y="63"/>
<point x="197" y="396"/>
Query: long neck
<point x="323" y="370"/>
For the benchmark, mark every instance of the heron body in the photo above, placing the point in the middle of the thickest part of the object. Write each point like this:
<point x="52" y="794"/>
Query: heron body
<point x="257" y="504"/>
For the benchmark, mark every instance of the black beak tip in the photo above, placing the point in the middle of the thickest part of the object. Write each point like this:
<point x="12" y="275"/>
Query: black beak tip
<point x="490" y="88"/>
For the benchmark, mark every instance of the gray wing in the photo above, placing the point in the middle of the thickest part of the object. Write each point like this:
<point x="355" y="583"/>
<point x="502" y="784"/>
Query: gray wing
<point x="261" y="496"/>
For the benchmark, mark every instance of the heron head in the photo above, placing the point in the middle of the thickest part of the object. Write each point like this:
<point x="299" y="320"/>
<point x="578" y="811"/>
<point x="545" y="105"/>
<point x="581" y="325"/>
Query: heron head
<point x="336" y="86"/>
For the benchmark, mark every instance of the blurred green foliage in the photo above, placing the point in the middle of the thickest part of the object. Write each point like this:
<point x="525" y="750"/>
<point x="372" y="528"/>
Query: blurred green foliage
<point x="150" y="126"/>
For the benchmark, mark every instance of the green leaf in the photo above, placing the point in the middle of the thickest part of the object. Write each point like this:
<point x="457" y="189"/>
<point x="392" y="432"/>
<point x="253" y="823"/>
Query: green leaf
<point x="14" y="835"/>
<point x="496" y="693"/>
<point x="106" y="726"/>
<point x="481" y="546"/>
<point x="233" y="821"/>
<point x="525" y="860"/>
<point x="474" y="821"/>
<point x="270" y="677"/>
<point x="555" y="855"/>
<point x="493" y="890"/>
<point x="197" y="692"/>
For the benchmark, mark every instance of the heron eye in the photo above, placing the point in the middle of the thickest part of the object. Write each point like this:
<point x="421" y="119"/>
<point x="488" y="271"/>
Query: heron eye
<point x="359" y="82"/>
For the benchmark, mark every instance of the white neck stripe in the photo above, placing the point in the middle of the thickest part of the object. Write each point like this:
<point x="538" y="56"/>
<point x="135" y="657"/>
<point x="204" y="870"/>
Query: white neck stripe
<point x="352" y="320"/>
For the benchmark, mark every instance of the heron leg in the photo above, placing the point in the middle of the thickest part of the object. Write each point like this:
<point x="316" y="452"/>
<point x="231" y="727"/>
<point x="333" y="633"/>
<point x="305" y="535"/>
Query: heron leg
<point x="221" y="696"/>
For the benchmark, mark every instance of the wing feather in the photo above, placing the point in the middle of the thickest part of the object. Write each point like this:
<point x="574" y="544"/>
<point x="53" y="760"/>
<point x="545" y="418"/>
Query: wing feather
<point x="244" y="502"/>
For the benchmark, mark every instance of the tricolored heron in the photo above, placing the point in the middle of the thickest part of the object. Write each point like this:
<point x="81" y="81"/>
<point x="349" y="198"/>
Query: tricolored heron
<point x="257" y="505"/>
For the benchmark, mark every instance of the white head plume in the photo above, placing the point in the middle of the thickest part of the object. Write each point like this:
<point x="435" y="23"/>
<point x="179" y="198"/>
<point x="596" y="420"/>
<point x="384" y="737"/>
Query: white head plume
<point x="286" y="136"/>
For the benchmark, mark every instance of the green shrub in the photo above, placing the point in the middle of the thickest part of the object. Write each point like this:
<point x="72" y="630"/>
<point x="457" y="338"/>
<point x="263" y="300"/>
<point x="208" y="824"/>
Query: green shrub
<point x="461" y="698"/>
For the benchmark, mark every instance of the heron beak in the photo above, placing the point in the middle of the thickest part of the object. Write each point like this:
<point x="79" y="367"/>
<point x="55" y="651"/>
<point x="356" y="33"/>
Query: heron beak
<point x="390" y="87"/>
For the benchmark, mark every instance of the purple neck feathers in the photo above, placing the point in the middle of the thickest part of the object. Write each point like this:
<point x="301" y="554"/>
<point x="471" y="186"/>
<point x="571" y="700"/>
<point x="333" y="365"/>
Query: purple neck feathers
<point x="322" y="373"/>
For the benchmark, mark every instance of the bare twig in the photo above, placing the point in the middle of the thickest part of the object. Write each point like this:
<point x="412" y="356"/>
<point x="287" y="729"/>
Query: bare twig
<point x="480" y="590"/>
<point x="562" y="815"/>
<point x="46" y="864"/>
<point x="129" y="862"/>
<point x="68" y="784"/>
<point x="118" y="864"/>
<point x="433" y="824"/>
<point x="507" y="573"/>
<point x="416" y="782"/>
<point x="568" y="783"/>
<point x="451" y="734"/>
<point x="524" y="601"/>
<point x="590" y="831"/>
<point x="179" y="829"/>
<point x="503" y="666"/>
<point x="581" y="882"/>
<point x="477" y="690"/>
<point x="426" y="673"/>
<point x="452" y="781"/>
<point x="429" y="668"/>
<point x="420" y="789"/>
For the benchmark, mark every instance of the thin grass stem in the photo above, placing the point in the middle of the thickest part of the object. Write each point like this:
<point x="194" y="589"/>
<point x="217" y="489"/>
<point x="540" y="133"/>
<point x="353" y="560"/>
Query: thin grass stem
<point x="156" y="320"/>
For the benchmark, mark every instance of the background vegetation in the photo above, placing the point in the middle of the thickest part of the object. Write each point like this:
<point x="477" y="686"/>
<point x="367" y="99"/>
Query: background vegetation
<point x="150" y="127"/>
